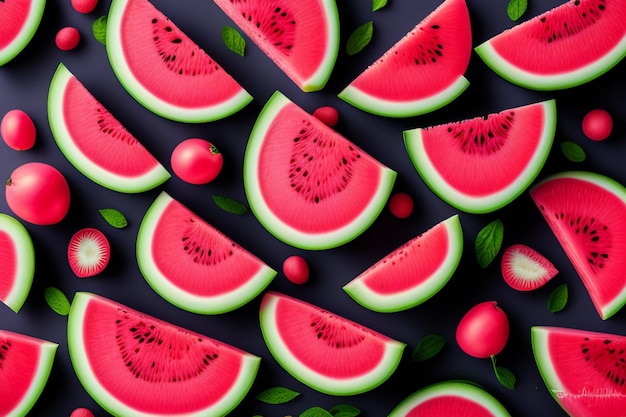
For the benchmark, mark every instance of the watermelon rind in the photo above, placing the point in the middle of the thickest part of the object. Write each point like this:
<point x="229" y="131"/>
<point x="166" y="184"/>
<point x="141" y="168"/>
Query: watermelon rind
<point x="89" y="380"/>
<point x="159" y="282"/>
<point x="466" y="390"/>
<point x="345" y="386"/>
<point x="25" y="253"/>
<point x="403" y="300"/>
<point x="283" y="231"/>
<point x="148" y="99"/>
<point x="29" y="28"/>
<point x="86" y="166"/>
<point x="45" y="361"/>
<point x="490" y="202"/>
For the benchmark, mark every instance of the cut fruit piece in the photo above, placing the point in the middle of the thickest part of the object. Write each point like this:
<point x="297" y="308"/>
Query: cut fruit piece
<point x="329" y="353"/>
<point x="25" y="365"/>
<point x="19" y="21"/>
<point x="569" y="45"/>
<point x="95" y="142"/>
<point x="17" y="262"/>
<point x="412" y="273"/>
<point x="450" y="399"/>
<point x="525" y="269"/>
<point x="584" y="371"/>
<point x="192" y="264"/>
<point x="423" y="71"/>
<point x="133" y="364"/>
<point x="586" y="213"/>
<point x="326" y="192"/>
<point x="480" y="165"/>
<point x="88" y="252"/>
<point x="301" y="37"/>
<point x="166" y="71"/>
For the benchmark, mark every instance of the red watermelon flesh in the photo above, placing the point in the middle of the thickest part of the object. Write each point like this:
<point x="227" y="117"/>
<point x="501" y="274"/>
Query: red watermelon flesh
<point x="17" y="262"/>
<point x="10" y="28"/>
<point x="442" y="406"/>
<point x="8" y="265"/>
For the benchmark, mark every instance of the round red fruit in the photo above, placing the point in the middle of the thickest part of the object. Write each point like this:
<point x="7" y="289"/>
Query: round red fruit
<point x="81" y="412"/>
<point x="401" y="205"/>
<point x="67" y="38"/>
<point x="483" y="331"/>
<point x="38" y="193"/>
<point x="196" y="161"/>
<point x="327" y="115"/>
<point x="84" y="6"/>
<point x="296" y="269"/>
<point x="18" y="130"/>
<point x="597" y="124"/>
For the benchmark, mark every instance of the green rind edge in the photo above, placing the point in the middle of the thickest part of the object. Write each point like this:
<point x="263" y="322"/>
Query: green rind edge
<point x="145" y="97"/>
<point x="123" y="184"/>
<point x="26" y="34"/>
<point x="177" y="296"/>
<point x="25" y="252"/>
<point x="90" y="382"/>
<point x="274" y="225"/>
<point x="403" y="300"/>
<point x="338" y="387"/>
<point x="466" y="390"/>
<point x="419" y="158"/>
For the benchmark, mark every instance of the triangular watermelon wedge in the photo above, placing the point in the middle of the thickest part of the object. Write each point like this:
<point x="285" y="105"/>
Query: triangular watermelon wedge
<point x="423" y="71"/>
<point x="17" y="262"/>
<point x="19" y="21"/>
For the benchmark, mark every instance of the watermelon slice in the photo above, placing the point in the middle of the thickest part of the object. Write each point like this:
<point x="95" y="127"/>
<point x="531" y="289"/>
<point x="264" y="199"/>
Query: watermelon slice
<point x="19" y="21"/>
<point x="329" y="353"/>
<point x="412" y="273"/>
<point x="332" y="190"/>
<point x="569" y="45"/>
<point x="301" y="37"/>
<point x="95" y="142"/>
<point x="25" y="365"/>
<point x="166" y="71"/>
<point x="480" y="165"/>
<point x="585" y="212"/>
<point x="423" y="71"/>
<point x="17" y="262"/>
<point x="450" y="399"/>
<point x="136" y="365"/>
<point x="584" y="371"/>
<point x="192" y="264"/>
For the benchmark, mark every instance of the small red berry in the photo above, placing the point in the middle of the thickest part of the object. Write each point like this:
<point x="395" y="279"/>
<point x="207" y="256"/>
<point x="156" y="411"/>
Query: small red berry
<point x="401" y="205"/>
<point x="296" y="269"/>
<point x="67" y="38"/>
<point x="81" y="412"/>
<point x="18" y="130"/>
<point x="597" y="124"/>
<point x="84" y="6"/>
<point x="327" y="115"/>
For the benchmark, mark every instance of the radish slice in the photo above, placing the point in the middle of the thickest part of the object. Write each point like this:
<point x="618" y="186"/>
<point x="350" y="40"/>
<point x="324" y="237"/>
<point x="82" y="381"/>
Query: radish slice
<point x="88" y="252"/>
<point x="525" y="269"/>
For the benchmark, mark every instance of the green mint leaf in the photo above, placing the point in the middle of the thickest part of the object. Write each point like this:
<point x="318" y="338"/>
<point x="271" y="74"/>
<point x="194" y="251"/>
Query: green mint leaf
<point x="488" y="242"/>
<point x="99" y="29"/>
<point x="504" y="375"/>
<point x="558" y="299"/>
<point x="57" y="301"/>
<point x="233" y="40"/>
<point x="378" y="4"/>
<point x="516" y="8"/>
<point x="428" y="347"/>
<point x="277" y="395"/>
<point x="344" y="410"/>
<point x="230" y="205"/>
<point x="573" y="151"/>
<point x="360" y="38"/>
<point x="315" y="412"/>
<point x="114" y="217"/>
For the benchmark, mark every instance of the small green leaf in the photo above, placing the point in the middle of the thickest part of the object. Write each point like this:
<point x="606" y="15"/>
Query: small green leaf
<point x="99" y="29"/>
<point x="558" y="299"/>
<point x="315" y="412"/>
<point x="360" y="38"/>
<point x="516" y="8"/>
<point x="428" y="347"/>
<point x="114" y="217"/>
<point x="57" y="301"/>
<point x="233" y="40"/>
<point x="344" y="410"/>
<point x="230" y="205"/>
<point x="378" y="4"/>
<point x="277" y="395"/>
<point x="488" y="242"/>
<point x="504" y="375"/>
<point x="573" y="151"/>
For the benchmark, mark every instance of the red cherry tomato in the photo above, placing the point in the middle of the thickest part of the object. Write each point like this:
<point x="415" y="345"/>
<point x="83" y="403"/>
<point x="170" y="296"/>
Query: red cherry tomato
<point x="67" y="38"/>
<point x="196" y="161"/>
<point x="483" y="331"/>
<point x="296" y="269"/>
<point x="327" y="115"/>
<point x="38" y="193"/>
<point x="18" y="130"/>
<point x="597" y="124"/>
<point x="401" y="205"/>
<point x="84" y="6"/>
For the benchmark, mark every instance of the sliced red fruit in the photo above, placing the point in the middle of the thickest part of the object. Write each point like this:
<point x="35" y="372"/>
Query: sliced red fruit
<point x="525" y="269"/>
<point x="88" y="252"/>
